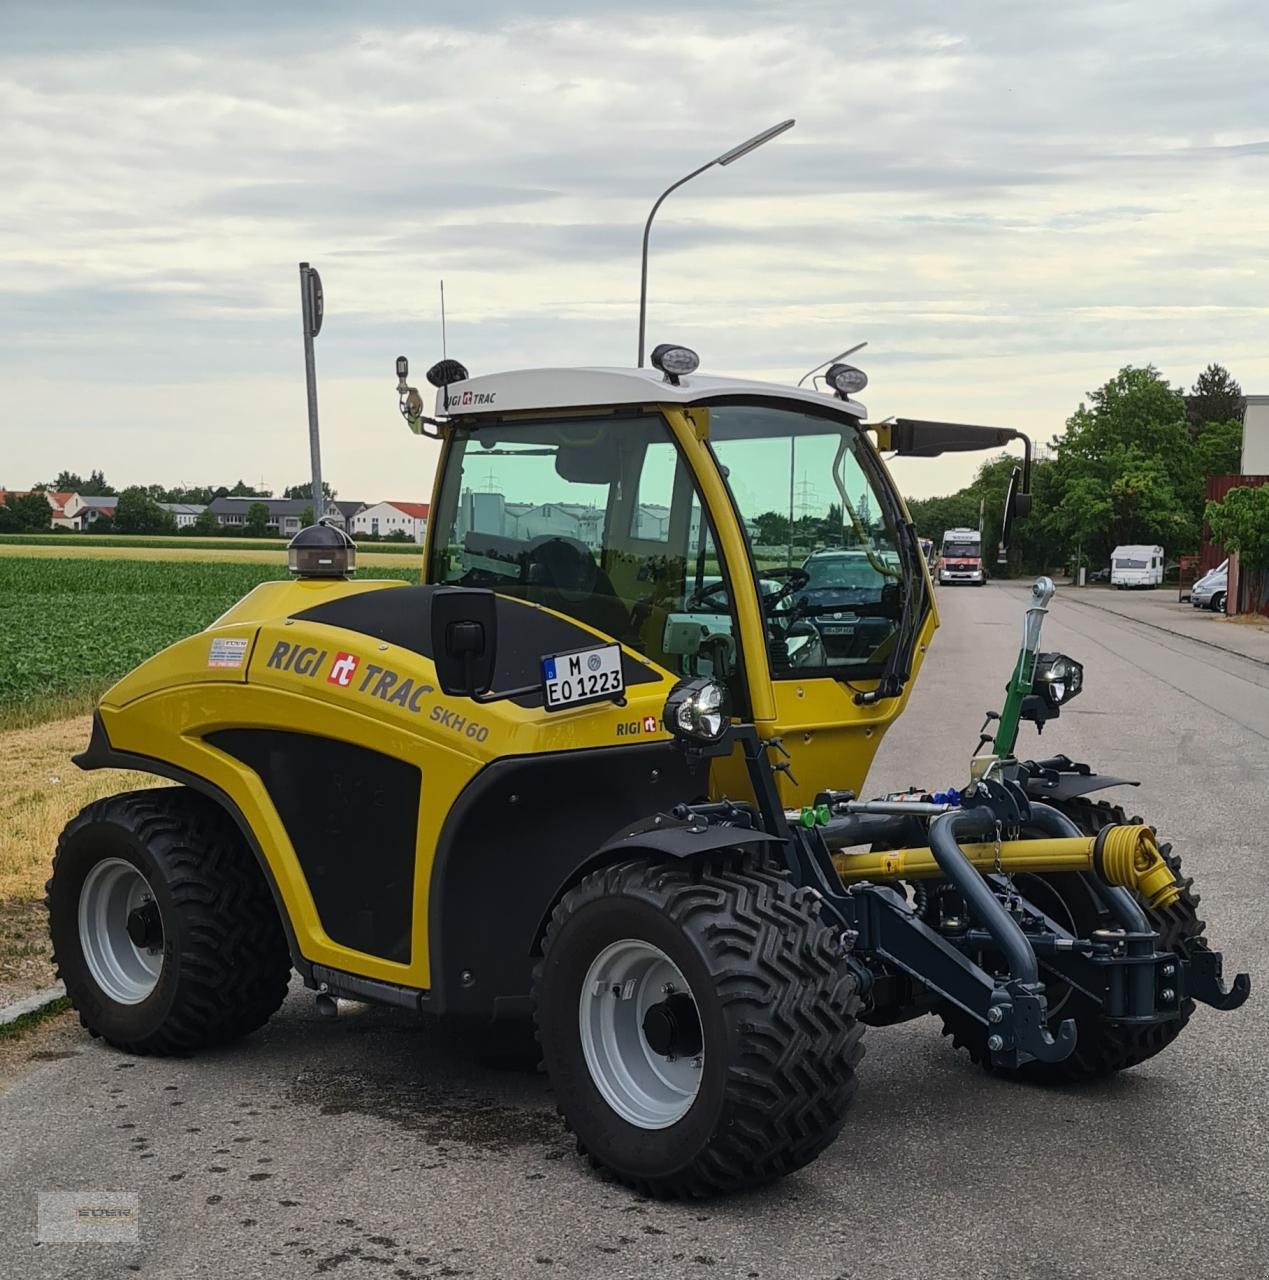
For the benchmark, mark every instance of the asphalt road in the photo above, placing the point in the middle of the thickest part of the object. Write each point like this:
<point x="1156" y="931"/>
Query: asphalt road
<point x="369" y="1147"/>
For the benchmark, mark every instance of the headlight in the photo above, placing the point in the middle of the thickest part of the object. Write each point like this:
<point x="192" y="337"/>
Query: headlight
<point x="697" y="710"/>
<point x="1057" y="678"/>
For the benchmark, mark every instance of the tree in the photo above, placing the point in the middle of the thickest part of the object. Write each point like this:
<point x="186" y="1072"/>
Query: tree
<point x="306" y="490"/>
<point x="9" y="522"/>
<point x="1218" y="448"/>
<point x="773" y="529"/>
<point x="243" y="490"/>
<point x="137" y="512"/>
<point x="1215" y="397"/>
<point x="33" y="512"/>
<point x="94" y="487"/>
<point x="1241" y="522"/>
<point x="306" y="517"/>
<point x="206" y="523"/>
<point x="257" y="525"/>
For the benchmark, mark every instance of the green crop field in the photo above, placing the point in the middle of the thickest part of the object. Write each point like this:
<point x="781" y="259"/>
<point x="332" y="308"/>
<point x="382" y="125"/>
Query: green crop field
<point x="181" y="542"/>
<point x="69" y="627"/>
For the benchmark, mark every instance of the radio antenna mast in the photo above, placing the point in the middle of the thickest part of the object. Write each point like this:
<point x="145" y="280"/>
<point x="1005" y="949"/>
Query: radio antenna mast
<point x="444" y="349"/>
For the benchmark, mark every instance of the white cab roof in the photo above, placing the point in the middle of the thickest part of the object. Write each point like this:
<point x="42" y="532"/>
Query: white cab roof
<point x="523" y="389"/>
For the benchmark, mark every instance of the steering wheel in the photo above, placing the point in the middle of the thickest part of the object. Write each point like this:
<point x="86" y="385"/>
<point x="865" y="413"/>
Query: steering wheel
<point x="792" y="580"/>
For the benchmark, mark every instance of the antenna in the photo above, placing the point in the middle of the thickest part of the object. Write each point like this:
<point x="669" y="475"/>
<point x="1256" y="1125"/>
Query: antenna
<point x="444" y="349"/>
<point x="859" y="346"/>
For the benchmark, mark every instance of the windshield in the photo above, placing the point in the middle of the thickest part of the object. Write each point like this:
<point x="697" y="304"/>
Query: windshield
<point x="809" y="492"/>
<point x="961" y="550"/>
<point x="598" y="520"/>
<point x="852" y="572"/>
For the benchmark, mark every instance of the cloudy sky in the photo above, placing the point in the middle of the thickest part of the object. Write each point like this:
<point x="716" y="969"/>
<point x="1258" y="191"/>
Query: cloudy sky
<point x="1007" y="201"/>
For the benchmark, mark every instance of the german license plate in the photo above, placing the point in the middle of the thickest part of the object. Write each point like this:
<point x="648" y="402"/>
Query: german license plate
<point x="587" y="675"/>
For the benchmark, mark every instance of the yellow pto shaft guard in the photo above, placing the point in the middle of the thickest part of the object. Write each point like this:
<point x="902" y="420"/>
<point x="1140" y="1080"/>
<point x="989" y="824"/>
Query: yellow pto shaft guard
<point x="1120" y="855"/>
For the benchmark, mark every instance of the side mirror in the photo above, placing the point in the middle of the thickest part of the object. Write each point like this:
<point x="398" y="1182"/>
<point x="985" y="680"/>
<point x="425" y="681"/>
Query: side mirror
<point x="464" y="640"/>
<point x="1017" y="507"/>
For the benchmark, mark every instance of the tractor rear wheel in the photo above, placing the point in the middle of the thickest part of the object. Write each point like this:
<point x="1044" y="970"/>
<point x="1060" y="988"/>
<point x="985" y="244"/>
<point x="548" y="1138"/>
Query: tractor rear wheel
<point x="1101" y="1047"/>
<point x="697" y="1023"/>
<point x="163" y="927"/>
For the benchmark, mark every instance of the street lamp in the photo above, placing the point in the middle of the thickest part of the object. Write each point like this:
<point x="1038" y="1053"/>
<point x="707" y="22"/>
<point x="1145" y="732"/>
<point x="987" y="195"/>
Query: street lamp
<point x="725" y="159"/>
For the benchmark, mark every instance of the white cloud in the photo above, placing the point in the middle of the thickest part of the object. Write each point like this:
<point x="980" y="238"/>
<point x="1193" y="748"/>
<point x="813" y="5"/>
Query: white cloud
<point x="1007" y="205"/>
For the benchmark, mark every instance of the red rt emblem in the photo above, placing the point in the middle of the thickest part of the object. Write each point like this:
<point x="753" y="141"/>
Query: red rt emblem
<point x="342" y="670"/>
<point x="649" y="724"/>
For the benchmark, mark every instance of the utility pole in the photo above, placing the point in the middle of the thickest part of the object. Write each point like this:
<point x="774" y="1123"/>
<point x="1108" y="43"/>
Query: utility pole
<point x="312" y="307"/>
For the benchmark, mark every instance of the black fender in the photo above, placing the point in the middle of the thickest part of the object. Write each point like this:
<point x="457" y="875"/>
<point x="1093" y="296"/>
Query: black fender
<point x="1061" y="778"/>
<point x="659" y="837"/>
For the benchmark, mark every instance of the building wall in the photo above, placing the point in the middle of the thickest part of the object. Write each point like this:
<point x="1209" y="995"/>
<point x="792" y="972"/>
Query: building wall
<point x="383" y="518"/>
<point x="1256" y="436"/>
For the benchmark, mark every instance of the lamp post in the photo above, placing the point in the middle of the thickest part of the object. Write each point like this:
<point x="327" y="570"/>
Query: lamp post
<point x="725" y="159"/>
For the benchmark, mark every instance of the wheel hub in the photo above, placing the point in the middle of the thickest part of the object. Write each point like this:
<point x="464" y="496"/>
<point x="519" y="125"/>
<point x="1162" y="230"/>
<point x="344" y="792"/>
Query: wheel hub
<point x="145" y="927"/>
<point x="672" y="1028"/>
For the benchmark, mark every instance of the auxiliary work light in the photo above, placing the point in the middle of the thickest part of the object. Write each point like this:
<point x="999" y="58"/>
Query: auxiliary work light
<point x="674" y="361"/>
<point x="697" y="710"/>
<point x="1057" y="678"/>
<point x="846" y="380"/>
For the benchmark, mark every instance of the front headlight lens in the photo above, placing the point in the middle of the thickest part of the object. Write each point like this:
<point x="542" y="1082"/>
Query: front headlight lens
<point x="697" y="710"/>
<point x="1057" y="678"/>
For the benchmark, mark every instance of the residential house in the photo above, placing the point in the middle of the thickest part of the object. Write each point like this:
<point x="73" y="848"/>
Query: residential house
<point x="93" y="509"/>
<point x="285" y="514"/>
<point x="64" y="508"/>
<point x="185" y="513"/>
<point x="384" y="518"/>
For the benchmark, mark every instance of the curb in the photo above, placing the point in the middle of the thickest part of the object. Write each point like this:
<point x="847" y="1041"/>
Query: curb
<point x="1167" y="631"/>
<point x="32" y="1004"/>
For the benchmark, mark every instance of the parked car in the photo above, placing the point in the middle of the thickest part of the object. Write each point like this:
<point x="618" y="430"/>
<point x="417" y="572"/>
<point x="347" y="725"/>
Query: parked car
<point x="1100" y="575"/>
<point x="1209" y="591"/>
<point x="845" y="596"/>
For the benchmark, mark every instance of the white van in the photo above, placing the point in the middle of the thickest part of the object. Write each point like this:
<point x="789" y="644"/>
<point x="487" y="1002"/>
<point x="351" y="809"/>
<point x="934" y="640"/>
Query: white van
<point x="1136" y="567"/>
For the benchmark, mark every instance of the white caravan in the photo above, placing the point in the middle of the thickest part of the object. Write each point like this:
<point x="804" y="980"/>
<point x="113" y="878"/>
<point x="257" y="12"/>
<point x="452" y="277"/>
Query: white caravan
<point x="1136" y="567"/>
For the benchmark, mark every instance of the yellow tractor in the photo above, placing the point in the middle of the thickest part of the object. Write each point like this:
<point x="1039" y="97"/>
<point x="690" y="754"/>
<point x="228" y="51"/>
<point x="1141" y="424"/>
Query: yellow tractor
<point x="602" y="769"/>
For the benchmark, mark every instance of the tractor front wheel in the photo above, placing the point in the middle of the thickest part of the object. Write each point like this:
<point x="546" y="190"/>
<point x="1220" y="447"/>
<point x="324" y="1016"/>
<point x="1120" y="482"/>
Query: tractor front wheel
<point x="697" y="1022"/>
<point x="163" y="927"/>
<point x="1101" y="1047"/>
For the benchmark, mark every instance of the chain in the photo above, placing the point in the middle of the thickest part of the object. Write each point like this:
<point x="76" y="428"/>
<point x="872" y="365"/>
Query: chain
<point x="998" y="868"/>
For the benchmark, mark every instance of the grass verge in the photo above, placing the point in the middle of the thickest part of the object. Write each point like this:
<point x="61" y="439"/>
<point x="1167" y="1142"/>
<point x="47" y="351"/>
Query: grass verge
<point x="19" y="1027"/>
<point x="42" y="791"/>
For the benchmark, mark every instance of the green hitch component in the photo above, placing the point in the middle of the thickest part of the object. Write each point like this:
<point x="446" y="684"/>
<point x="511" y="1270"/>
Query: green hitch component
<point x="814" y="815"/>
<point x="1023" y="676"/>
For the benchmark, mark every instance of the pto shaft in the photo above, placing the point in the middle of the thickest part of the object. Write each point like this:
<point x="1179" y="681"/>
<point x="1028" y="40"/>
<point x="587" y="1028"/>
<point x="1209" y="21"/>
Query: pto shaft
<point x="1124" y="855"/>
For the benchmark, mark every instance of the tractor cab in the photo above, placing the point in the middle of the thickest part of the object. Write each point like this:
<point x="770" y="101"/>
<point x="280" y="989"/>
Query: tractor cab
<point x="716" y="527"/>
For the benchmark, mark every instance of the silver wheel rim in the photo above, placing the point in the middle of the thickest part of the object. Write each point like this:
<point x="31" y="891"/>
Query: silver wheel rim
<point x="112" y="892"/>
<point x="646" y="1088"/>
